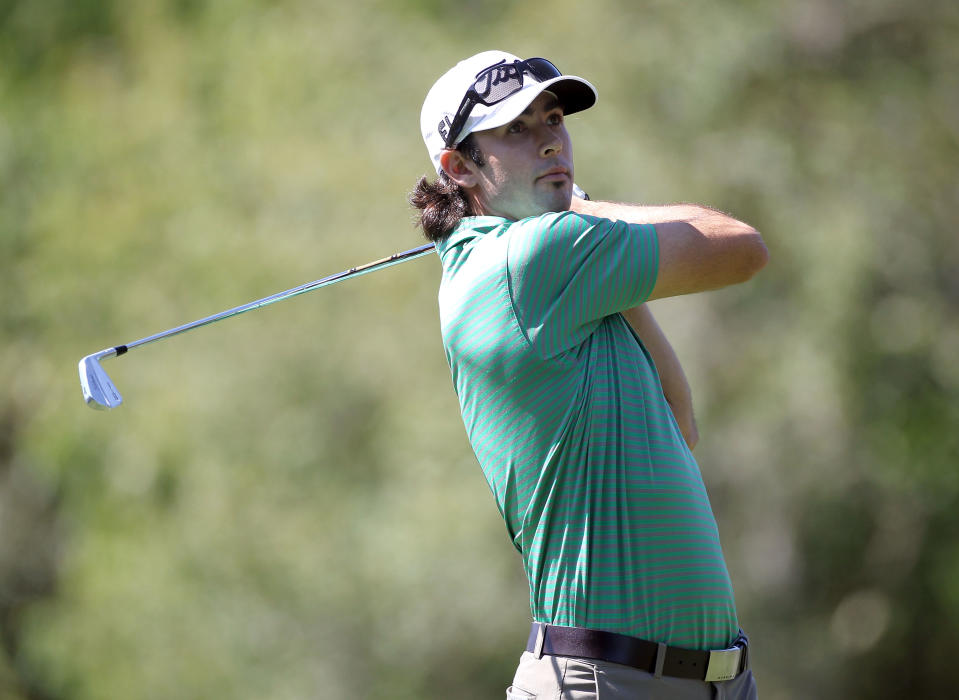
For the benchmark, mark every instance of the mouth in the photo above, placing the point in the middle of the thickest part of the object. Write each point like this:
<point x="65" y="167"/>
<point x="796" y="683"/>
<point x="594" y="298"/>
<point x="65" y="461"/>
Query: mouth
<point x="557" y="174"/>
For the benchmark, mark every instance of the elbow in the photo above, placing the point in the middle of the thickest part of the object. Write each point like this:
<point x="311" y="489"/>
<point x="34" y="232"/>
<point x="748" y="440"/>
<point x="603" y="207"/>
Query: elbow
<point x="686" y="422"/>
<point x="760" y="252"/>
<point x="691" y="435"/>
<point x="754" y="255"/>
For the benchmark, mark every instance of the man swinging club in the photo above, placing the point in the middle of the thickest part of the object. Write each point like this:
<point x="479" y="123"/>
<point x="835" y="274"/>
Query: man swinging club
<point x="573" y="400"/>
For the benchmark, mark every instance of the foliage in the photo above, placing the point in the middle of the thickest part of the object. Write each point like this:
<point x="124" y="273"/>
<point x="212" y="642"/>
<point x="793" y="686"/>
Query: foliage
<point x="286" y="505"/>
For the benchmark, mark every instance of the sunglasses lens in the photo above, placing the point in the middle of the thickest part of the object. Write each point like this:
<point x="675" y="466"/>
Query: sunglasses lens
<point x="496" y="84"/>
<point x="541" y="69"/>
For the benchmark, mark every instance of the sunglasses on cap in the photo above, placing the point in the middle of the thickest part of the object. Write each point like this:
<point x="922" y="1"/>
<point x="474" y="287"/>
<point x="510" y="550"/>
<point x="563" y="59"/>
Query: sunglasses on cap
<point x="495" y="84"/>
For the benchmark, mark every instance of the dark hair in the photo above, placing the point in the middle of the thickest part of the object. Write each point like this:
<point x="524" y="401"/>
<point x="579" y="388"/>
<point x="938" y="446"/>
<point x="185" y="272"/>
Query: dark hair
<point x="442" y="203"/>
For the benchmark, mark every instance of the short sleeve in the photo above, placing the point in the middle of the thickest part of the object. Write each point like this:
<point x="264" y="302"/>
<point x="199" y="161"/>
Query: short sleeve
<point x="567" y="272"/>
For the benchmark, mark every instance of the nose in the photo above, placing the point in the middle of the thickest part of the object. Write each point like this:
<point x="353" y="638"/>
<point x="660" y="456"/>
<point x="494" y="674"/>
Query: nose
<point x="551" y="143"/>
<point x="551" y="146"/>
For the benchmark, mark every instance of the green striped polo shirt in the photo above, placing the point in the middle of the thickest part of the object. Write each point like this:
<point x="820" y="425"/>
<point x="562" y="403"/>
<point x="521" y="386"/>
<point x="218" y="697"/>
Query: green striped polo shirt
<point x="565" y="412"/>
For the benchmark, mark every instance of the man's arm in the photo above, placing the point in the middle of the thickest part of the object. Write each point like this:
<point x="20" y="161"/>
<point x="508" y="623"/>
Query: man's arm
<point x="671" y="375"/>
<point x="699" y="248"/>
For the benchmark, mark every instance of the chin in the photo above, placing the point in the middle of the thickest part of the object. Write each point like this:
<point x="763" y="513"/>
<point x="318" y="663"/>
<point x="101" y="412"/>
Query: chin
<point x="561" y="200"/>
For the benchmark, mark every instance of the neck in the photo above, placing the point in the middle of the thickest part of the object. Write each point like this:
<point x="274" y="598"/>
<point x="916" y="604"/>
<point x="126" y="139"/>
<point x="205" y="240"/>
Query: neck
<point x="476" y="205"/>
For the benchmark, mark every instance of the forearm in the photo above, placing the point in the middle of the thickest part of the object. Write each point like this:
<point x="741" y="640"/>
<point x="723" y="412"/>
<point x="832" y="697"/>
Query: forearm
<point x="709" y="221"/>
<point x="671" y="376"/>
<point x="641" y="213"/>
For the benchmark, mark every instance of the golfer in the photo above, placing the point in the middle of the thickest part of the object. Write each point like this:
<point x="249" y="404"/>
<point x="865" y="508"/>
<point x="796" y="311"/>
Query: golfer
<point x="573" y="400"/>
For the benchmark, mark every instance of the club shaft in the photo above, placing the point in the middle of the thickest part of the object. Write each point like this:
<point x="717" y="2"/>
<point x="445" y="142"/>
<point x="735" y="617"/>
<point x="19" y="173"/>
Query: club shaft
<point x="279" y="296"/>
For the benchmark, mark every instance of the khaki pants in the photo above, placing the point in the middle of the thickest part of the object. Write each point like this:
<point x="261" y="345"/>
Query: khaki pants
<point x="566" y="678"/>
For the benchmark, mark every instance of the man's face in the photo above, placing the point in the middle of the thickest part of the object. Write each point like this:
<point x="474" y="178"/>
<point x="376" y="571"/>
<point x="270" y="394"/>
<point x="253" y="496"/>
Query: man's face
<point x="528" y="163"/>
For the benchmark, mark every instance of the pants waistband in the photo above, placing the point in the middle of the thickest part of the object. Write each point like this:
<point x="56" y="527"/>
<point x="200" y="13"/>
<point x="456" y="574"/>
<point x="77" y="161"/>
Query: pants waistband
<point x="652" y="657"/>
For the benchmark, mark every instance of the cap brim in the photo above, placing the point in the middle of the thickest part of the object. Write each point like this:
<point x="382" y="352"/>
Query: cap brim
<point x="574" y="93"/>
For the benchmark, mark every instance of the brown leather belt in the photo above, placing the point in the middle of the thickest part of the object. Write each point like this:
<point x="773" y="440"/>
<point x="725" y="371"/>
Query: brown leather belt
<point x="658" y="659"/>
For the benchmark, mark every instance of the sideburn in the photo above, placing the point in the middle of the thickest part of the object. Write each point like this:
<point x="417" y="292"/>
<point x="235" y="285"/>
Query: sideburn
<point x="472" y="151"/>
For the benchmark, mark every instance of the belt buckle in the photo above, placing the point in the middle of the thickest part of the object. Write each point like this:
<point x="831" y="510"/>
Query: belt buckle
<point x="724" y="664"/>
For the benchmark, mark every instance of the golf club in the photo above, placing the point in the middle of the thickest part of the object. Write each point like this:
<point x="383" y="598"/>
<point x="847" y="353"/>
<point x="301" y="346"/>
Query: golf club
<point x="100" y="393"/>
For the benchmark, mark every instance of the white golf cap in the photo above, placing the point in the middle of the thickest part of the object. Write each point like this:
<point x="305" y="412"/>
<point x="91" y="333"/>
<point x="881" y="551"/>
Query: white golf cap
<point x="445" y="97"/>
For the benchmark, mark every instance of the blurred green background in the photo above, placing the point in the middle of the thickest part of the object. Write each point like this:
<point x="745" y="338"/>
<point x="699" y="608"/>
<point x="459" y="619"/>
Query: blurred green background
<point x="286" y="506"/>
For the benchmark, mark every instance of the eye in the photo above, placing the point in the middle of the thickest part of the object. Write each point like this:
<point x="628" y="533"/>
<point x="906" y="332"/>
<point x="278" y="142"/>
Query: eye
<point x="555" y="119"/>
<point x="516" y="128"/>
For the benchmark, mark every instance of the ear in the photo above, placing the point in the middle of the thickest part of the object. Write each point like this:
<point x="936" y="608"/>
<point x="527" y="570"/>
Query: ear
<point x="458" y="168"/>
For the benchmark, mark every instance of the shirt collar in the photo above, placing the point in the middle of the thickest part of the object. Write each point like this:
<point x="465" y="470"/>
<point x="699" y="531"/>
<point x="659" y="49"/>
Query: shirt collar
<point x="470" y="227"/>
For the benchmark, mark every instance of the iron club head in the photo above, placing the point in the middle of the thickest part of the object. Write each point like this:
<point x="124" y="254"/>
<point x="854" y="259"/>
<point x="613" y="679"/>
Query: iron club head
<point x="98" y="390"/>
